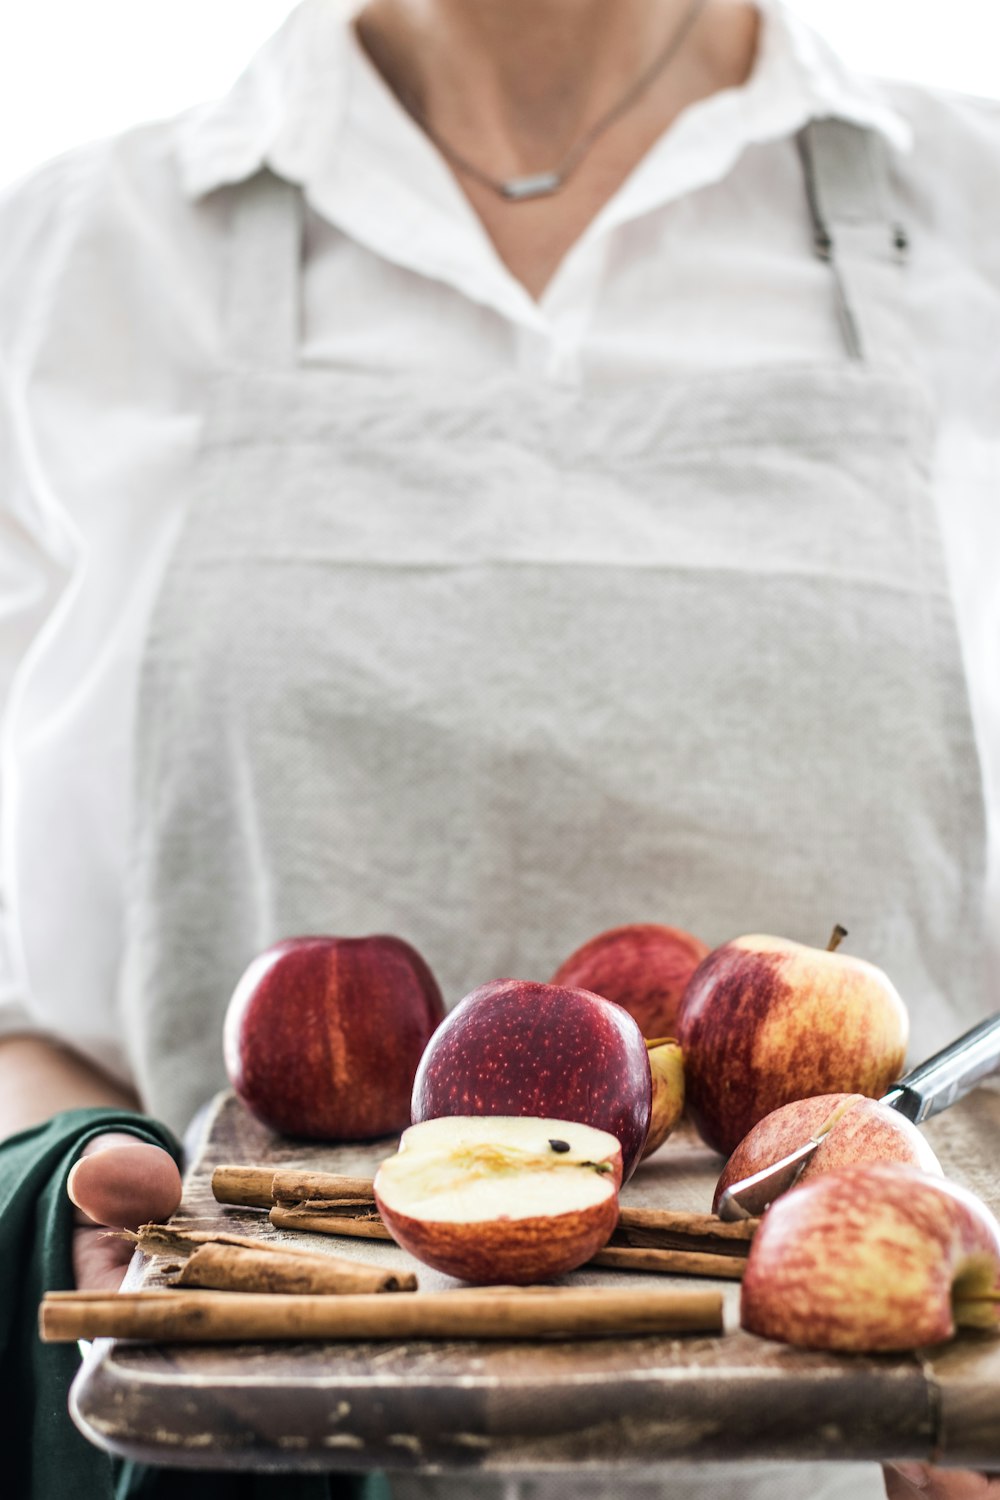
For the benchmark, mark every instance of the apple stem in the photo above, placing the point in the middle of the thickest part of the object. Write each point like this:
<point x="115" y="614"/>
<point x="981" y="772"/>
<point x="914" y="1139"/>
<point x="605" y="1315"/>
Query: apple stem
<point x="837" y="936"/>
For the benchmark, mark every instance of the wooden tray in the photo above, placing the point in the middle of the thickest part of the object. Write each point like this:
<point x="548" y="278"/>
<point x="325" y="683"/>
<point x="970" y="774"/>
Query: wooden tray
<point x="494" y="1407"/>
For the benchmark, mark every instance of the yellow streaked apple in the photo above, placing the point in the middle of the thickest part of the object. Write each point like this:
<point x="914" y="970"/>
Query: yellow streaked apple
<point x="873" y="1258"/>
<point x="765" y="1020"/>
<point x="862" y="1130"/>
<point x="666" y="1064"/>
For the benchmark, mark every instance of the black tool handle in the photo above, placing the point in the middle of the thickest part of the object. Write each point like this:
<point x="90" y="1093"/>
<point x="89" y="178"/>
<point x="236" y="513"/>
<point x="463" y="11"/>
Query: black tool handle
<point x="949" y="1074"/>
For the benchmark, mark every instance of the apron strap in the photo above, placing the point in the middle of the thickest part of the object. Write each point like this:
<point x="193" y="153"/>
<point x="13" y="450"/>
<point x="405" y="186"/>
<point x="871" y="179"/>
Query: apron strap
<point x="856" y="231"/>
<point x="262" y="298"/>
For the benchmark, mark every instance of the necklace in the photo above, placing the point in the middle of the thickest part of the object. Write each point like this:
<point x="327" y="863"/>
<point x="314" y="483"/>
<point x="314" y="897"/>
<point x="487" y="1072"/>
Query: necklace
<point x="543" y="184"/>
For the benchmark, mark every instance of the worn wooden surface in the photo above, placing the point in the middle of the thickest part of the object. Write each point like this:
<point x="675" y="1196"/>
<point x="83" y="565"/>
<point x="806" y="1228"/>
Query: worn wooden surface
<point x="518" y="1406"/>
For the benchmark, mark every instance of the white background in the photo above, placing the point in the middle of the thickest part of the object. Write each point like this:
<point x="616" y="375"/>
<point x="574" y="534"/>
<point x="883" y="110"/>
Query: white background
<point x="71" y="70"/>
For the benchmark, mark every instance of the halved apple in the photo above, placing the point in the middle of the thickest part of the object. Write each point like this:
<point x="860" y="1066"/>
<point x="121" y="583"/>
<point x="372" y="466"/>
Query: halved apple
<point x="501" y="1199"/>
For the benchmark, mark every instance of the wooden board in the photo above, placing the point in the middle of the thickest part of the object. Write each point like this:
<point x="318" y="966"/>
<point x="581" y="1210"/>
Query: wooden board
<point x="531" y="1406"/>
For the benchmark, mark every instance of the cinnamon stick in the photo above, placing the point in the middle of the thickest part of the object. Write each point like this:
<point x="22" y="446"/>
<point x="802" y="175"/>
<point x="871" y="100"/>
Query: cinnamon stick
<point x="666" y="1229"/>
<point x="260" y="1187"/>
<point x="301" y="1186"/>
<point x="672" y="1262"/>
<point x="323" y="1218"/>
<point x="236" y="1268"/>
<point x="219" y="1317"/>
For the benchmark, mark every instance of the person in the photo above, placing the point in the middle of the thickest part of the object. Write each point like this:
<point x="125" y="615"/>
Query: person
<point x="507" y="469"/>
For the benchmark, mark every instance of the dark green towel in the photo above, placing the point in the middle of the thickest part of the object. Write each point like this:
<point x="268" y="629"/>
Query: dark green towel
<point x="44" y="1457"/>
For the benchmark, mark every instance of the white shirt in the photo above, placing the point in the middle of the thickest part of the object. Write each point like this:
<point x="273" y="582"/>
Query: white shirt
<point x="111" y="282"/>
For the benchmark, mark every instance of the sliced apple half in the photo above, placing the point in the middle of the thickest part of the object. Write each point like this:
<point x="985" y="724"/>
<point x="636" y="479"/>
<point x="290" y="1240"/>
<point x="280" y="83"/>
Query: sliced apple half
<point x="501" y="1199"/>
<point x="871" y="1258"/>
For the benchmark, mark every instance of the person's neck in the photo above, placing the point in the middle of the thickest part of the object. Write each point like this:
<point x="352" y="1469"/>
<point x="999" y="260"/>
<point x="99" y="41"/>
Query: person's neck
<point x="513" y="85"/>
<point x="525" y="78"/>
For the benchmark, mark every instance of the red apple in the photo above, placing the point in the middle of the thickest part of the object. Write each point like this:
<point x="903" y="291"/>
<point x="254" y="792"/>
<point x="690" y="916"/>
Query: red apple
<point x="501" y="1199"/>
<point x="643" y="966"/>
<point x="666" y="1065"/>
<point x="864" y="1131"/>
<point x="873" y="1257"/>
<point x="765" y="1021"/>
<point x="323" y="1035"/>
<point x="515" y="1047"/>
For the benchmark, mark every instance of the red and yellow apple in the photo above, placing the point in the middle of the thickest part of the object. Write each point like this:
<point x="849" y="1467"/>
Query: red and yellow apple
<point x="870" y="1258"/>
<point x="515" y="1047"/>
<point x="863" y="1131"/>
<point x="765" y="1021"/>
<point x="508" y="1200"/>
<point x="643" y="966"/>
<point x="666" y="1064"/>
<point x="323" y="1035"/>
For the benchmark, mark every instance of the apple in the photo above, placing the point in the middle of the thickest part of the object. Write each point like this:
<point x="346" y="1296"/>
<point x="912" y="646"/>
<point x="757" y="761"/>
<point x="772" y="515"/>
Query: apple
<point x="864" y="1130"/>
<point x="323" y="1035"/>
<point x="873" y="1257"/>
<point x="643" y="966"/>
<point x="666" y="1064"/>
<point x="765" y="1020"/>
<point x="516" y="1047"/>
<point x="501" y="1199"/>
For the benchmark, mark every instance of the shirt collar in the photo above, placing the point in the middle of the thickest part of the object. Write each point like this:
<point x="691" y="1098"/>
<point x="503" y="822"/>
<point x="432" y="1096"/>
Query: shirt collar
<point x="287" y="109"/>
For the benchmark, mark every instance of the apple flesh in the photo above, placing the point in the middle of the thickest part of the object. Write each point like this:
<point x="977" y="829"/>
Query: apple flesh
<point x="871" y="1258"/>
<point x="515" y="1047"/>
<point x="765" y="1021"/>
<point x="666" y="1065"/>
<point x="864" y="1131"/>
<point x="323" y="1035"/>
<point x="506" y="1200"/>
<point x="643" y="966"/>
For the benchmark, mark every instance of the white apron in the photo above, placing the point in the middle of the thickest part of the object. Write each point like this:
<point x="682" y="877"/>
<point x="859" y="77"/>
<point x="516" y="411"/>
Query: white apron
<point x="494" y="665"/>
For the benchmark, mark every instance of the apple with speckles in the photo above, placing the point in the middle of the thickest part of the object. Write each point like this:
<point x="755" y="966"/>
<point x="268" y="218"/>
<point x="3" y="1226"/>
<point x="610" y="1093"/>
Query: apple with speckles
<point x="765" y="1020"/>
<point x="643" y="966"/>
<point x="323" y="1035"/>
<point x="872" y="1258"/>
<point x="501" y="1199"/>
<point x="517" y="1047"/>
<point x="863" y="1130"/>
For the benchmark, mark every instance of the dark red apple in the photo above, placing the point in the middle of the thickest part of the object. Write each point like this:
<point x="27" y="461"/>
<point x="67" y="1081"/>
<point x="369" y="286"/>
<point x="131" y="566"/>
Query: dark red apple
<point x="515" y="1047"/>
<point x="643" y="966"/>
<point x="765" y="1021"/>
<point x="323" y="1035"/>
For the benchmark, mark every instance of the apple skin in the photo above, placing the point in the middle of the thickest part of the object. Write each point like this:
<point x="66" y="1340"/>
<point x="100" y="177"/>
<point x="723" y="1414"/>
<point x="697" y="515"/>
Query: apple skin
<point x="867" y="1131"/>
<point x="666" y="1064"/>
<point x="765" y="1021"/>
<point x="865" y="1259"/>
<point x="517" y="1047"/>
<point x="505" y="1252"/>
<point x="643" y="966"/>
<point x="323" y="1035"/>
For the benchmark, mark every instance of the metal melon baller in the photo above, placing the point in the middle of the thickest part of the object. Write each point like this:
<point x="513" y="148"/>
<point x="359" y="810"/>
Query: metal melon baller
<point x="925" y="1091"/>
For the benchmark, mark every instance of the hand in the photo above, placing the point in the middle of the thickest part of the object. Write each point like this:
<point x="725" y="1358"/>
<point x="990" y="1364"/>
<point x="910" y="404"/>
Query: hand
<point x="118" y="1183"/>
<point x="906" y="1481"/>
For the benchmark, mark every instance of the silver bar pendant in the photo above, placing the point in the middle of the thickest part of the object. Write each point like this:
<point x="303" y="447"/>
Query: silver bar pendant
<point x="537" y="186"/>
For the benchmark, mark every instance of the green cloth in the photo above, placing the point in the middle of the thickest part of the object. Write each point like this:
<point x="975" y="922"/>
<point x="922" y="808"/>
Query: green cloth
<point x="44" y="1456"/>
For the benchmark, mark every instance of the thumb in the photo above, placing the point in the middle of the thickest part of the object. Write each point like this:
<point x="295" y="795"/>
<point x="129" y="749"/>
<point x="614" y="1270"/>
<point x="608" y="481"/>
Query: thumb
<point x="122" y="1182"/>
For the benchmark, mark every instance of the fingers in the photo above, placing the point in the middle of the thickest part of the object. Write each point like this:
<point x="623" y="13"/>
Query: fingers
<point x="122" y="1183"/>
<point x="906" y="1481"/>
